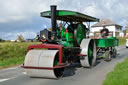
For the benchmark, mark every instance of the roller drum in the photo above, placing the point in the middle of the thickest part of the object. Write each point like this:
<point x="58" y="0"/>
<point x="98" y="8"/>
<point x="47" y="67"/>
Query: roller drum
<point x="42" y="58"/>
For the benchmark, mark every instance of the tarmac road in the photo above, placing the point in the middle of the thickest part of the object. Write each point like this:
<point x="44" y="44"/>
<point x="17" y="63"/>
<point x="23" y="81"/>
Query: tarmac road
<point x="73" y="75"/>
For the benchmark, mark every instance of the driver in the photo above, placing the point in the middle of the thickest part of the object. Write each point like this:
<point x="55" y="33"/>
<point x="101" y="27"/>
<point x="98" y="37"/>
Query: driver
<point x="104" y="32"/>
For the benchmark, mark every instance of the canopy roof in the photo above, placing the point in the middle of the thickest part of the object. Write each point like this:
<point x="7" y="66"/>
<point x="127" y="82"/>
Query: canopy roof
<point x="70" y="16"/>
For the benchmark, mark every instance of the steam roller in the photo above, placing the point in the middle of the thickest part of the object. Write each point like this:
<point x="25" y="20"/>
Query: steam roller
<point x="63" y="44"/>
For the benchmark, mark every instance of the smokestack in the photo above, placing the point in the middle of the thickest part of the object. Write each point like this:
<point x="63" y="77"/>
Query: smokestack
<point x="53" y="17"/>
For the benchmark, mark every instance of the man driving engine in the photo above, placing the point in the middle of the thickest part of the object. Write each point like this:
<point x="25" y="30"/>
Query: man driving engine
<point x="104" y="32"/>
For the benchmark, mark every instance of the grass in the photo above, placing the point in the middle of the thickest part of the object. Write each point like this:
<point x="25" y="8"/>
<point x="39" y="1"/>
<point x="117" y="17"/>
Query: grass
<point x="13" y="53"/>
<point x="122" y="41"/>
<point x="119" y="76"/>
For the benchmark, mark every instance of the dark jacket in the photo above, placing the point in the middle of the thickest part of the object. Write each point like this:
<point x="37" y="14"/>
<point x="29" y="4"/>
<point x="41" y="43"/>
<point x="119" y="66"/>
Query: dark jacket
<point x="104" y="32"/>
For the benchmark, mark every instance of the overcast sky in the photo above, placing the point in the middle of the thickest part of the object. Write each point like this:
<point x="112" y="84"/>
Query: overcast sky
<point x="23" y="16"/>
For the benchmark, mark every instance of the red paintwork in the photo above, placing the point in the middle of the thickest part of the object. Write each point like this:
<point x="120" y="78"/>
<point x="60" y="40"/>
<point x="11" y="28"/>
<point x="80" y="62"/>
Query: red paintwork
<point x="49" y="68"/>
<point x="80" y="55"/>
<point x="43" y="40"/>
<point x="51" y="46"/>
<point x="66" y="30"/>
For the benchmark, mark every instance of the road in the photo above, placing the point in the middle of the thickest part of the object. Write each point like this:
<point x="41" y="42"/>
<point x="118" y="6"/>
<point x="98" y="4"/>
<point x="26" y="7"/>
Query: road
<point x="73" y="75"/>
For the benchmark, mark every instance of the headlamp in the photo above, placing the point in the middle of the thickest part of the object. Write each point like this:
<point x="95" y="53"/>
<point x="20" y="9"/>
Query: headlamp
<point x="43" y="37"/>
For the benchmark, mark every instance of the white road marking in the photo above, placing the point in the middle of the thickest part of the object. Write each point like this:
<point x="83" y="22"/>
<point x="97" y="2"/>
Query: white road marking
<point x="1" y="80"/>
<point x="24" y="72"/>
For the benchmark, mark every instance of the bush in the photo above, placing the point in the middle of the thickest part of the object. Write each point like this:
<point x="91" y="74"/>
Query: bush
<point x="1" y="40"/>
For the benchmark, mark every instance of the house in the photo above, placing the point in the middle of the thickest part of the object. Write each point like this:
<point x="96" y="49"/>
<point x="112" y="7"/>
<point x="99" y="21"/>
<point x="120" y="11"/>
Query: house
<point x="13" y="40"/>
<point x="113" y="28"/>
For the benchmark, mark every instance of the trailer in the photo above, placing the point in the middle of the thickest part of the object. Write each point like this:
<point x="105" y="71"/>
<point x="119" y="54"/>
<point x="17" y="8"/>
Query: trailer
<point x="65" y="44"/>
<point x="106" y="48"/>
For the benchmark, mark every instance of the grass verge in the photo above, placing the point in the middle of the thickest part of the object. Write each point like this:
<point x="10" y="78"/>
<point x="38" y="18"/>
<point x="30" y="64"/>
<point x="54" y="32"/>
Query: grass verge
<point x="119" y="76"/>
<point x="122" y="41"/>
<point x="12" y="53"/>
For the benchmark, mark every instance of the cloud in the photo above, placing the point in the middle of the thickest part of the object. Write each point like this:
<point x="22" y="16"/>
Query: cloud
<point x="26" y="9"/>
<point x="23" y="9"/>
<point x="20" y="16"/>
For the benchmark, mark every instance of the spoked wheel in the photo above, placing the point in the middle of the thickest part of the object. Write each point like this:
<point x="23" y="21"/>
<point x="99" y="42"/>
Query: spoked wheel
<point x="114" y="53"/>
<point x="89" y="51"/>
<point x="107" y="56"/>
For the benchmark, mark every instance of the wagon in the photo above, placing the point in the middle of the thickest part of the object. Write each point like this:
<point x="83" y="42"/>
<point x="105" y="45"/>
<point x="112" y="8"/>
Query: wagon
<point x="106" y="47"/>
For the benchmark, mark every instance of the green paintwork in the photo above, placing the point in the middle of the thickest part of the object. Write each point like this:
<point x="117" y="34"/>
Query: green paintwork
<point x="90" y="52"/>
<point x="58" y="32"/>
<point x="69" y="40"/>
<point x="63" y="32"/>
<point x="109" y="42"/>
<point x="69" y="37"/>
<point x="80" y="33"/>
<point x="67" y="44"/>
<point x="55" y="63"/>
<point x="70" y="16"/>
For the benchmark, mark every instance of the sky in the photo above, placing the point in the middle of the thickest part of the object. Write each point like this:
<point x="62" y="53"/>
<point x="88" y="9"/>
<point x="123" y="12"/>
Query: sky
<point x="23" y="16"/>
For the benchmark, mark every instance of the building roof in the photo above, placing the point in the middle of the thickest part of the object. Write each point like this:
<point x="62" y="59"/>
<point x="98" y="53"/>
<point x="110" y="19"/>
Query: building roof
<point x="105" y="22"/>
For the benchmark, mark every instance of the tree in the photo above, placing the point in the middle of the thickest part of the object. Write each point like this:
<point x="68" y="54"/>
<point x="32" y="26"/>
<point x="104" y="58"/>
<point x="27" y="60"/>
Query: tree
<point x="124" y="31"/>
<point x="20" y="38"/>
<point x="1" y="40"/>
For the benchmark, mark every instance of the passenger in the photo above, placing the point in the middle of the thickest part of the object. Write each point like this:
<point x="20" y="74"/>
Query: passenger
<point x="104" y="32"/>
<point x="61" y="31"/>
<point x="61" y="27"/>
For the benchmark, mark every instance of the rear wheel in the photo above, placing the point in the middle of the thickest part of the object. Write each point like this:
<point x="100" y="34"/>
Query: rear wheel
<point x="114" y="53"/>
<point x="107" y="55"/>
<point x="89" y="50"/>
<point x="92" y="53"/>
